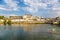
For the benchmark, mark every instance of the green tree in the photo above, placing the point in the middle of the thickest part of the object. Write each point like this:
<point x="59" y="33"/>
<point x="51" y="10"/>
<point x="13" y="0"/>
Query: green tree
<point x="4" y="22"/>
<point x="9" y="22"/>
<point x="1" y="17"/>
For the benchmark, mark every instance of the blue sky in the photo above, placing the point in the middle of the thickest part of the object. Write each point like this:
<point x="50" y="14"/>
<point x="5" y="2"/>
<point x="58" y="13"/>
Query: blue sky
<point x="42" y="8"/>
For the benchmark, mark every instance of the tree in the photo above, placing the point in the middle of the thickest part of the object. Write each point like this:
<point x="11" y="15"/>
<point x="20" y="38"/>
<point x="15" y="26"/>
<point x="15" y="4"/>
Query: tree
<point x="1" y="17"/>
<point x="9" y="22"/>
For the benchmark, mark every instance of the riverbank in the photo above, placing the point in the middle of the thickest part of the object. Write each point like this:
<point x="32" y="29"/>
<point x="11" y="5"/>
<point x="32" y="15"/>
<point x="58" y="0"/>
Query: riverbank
<point x="29" y="19"/>
<point x="27" y="22"/>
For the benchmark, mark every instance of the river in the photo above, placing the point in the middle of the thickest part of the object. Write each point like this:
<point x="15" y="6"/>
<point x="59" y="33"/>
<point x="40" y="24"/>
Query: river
<point x="30" y="32"/>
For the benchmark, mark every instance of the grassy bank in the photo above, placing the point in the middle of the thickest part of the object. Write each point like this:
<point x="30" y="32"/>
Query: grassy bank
<point x="28" y="22"/>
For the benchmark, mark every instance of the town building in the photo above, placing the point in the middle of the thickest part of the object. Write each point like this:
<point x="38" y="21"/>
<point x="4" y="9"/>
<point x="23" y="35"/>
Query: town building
<point x="15" y="18"/>
<point x="27" y="16"/>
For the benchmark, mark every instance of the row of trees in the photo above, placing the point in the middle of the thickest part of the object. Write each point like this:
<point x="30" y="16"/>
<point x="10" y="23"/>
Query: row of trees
<point x="5" y="20"/>
<point x="2" y="17"/>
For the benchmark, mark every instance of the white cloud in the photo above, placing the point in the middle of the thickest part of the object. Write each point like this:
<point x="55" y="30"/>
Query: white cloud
<point x="1" y="14"/>
<point x="34" y="4"/>
<point x="43" y="5"/>
<point x="12" y="4"/>
<point x="51" y="1"/>
<point x="55" y="13"/>
<point x="56" y="8"/>
<point x="7" y="15"/>
<point x="12" y="15"/>
<point x="2" y="8"/>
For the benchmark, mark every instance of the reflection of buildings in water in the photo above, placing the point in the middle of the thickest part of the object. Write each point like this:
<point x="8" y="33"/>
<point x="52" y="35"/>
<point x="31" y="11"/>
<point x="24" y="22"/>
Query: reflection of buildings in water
<point x="52" y="30"/>
<point x="27" y="27"/>
<point x="1" y="24"/>
<point x="55" y="31"/>
<point x="2" y="27"/>
<point x="13" y="25"/>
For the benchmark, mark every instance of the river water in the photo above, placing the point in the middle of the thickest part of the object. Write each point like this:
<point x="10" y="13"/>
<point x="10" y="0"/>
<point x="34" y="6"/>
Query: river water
<point x="30" y="32"/>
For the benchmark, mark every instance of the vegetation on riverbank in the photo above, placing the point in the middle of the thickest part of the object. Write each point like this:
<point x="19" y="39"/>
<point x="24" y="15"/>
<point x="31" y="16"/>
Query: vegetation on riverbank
<point x="28" y="19"/>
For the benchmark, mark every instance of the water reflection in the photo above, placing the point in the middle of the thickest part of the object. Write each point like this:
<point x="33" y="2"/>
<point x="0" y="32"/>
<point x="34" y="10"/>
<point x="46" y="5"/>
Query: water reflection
<point x="29" y="32"/>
